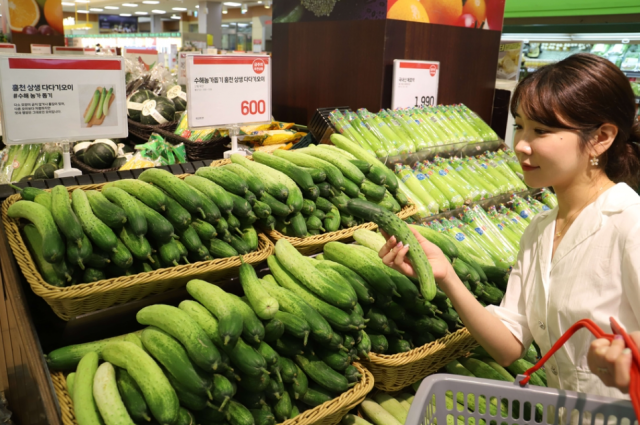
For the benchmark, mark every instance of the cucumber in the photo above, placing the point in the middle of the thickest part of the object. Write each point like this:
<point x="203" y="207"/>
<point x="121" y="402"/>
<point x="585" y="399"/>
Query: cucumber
<point x="372" y="191"/>
<point x="44" y="200"/>
<point x="189" y="238"/>
<point x="170" y="254"/>
<point x="334" y="176"/>
<point x="254" y="184"/>
<point x="520" y="366"/>
<point x="337" y="360"/>
<point x="261" y="209"/>
<point x="149" y="195"/>
<point x="221" y="249"/>
<point x="29" y="193"/>
<point x="49" y="272"/>
<point x="250" y="198"/>
<point x="294" y="325"/>
<point x="107" y="398"/>
<point x="253" y="329"/>
<point x="397" y="345"/>
<point x="378" y="322"/>
<point x="266" y="174"/>
<point x="253" y="400"/>
<point x="263" y="417"/>
<point x="67" y="358"/>
<point x="101" y="235"/>
<point x="71" y="379"/>
<point x="363" y="166"/>
<point x="336" y="317"/>
<point x="291" y="303"/>
<point x="192" y="401"/>
<point x="229" y="180"/>
<point x="268" y="224"/>
<point x="364" y="346"/>
<point x="121" y="257"/>
<point x="205" y="230"/>
<point x="64" y="216"/>
<point x="314" y="223"/>
<point x="441" y="240"/>
<point x="238" y="414"/>
<point x="110" y="214"/>
<point x="248" y="220"/>
<point x="379" y="343"/>
<point x="300" y="384"/>
<point x="232" y="222"/>
<point x="181" y="326"/>
<point x="84" y="404"/>
<point x="349" y="170"/>
<point x="250" y="237"/>
<point x="289" y="372"/>
<point x="431" y="325"/>
<point x="222" y="227"/>
<point x="354" y="258"/>
<point x="138" y="246"/>
<point x="324" y="205"/>
<point x="196" y="257"/>
<point x="302" y="178"/>
<point x="315" y="398"/>
<point x="240" y="245"/>
<point x="297" y="226"/>
<point x="282" y="410"/>
<point x="178" y="216"/>
<point x="491" y="295"/>
<point x="318" y="214"/>
<point x="273" y="330"/>
<point x="274" y="390"/>
<point x="351" y="189"/>
<point x="308" y="207"/>
<point x="92" y="275"/>
<point x="255" y="384"/>
<point x="393" y="225"/>
<point x="80" y="255"/>
<point x="132" y="396"/>
<point x="339" y="273"/>
<point x="170" y="354"/>
<point x="53" y="249"/>
<point x="223" y="390"/>
<point x="154" y="385"/>
<point x="184" y="417"/>
<point x="325" y="190"/>
<point x="135" y="217"/>
<point x="220" y="197"/>
<point x="316" y="174"/>
<point x="322" y="374"/>
<point x="176" y="188"/>
<point x="352" y="374"/>
<point x="211" y="415"/>
<point x="216" y="301"/>
<point x="294" y="199"/>
<point x="263" y="304"/>
<point x="298" y="266"/>
<point x="341" y="201"/>
<point x="158" y="228"/>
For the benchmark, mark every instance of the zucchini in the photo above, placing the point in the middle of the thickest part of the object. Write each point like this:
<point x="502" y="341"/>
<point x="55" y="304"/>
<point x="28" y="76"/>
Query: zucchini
<point x="298" y="266"/>
<point x="393" y="225"/>
<point x="225" y="178"/>
<point x="110" y="214"/>
<point x="291" y="303"/>
<point x="254" y="184"/>
<point x="334" y="176"/>
<point x="149" y="195"/>
<point x="49" y="273"/>
<point x="321" y="373"/>
<point x="221" y="249"/>
<point x="266" y="174"/>
<point x="216" y="301"/>
<point x="220" y="197"/>
<point x="135" y="217"/>
<point x="158" y="228"/>
<point x="176" y="188"/>
<point x="181" y="326"/>
<point x="101" y="235"/>
<point x="64" y="216"/>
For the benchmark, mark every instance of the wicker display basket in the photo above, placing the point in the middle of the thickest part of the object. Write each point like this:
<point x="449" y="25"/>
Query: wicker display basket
<point x="329" y="413"/>
<point x="315" y="244"/>
<point x="139" y="133"/>
<point x="199" y="151"/>
<point x="71" y="301"/>
<point x="395" y="372"/>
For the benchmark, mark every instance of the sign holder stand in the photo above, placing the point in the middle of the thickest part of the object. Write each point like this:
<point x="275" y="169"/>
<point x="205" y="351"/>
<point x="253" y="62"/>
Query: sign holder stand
<point x="234" y="132"/>
<point x="67" y="171"/>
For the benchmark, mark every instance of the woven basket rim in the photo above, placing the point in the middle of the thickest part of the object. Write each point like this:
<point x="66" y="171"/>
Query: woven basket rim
<point x="341" y="404"/>
<point x="50" y="292"/>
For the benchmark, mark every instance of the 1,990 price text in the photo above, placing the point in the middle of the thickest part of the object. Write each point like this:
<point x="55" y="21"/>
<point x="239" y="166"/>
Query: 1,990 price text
<point x="253" y="107"/>
<point x="425" y="100"/>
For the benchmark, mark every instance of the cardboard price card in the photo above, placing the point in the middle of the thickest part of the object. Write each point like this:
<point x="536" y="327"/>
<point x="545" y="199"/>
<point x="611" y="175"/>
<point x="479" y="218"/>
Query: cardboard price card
<point x="415" y="83"/>
<point x="47" y="99"/>
<point x="228" y="89"/>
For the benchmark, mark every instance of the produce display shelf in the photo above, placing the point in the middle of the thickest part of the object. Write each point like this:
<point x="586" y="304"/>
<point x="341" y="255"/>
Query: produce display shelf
<point x="71" y="301"/>
<point x="445" y="151"/>
<point x="329" y="413"/>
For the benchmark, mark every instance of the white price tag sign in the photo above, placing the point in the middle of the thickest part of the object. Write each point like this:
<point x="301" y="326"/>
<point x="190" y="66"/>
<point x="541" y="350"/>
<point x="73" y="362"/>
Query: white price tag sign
<point x="54" y="98"/>
<point x="148" y="57"/>
<point x="7" y="48"/>
<point x="41" y="49"/>
<point x="415" y="83"/>
<point x="79" y="51"/>
<point x="182" y="66"/>
<point x="228" y="90"/>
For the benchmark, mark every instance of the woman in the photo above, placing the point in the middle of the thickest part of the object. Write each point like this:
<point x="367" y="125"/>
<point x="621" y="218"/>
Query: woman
<point x="575" y="131"/>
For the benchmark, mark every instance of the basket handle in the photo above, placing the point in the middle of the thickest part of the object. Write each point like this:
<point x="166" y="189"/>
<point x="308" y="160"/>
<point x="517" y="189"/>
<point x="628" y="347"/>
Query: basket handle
<point x="634" y="384"/>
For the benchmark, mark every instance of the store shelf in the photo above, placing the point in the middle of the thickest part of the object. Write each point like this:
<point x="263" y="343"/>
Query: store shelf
<point x="130" y="35"/>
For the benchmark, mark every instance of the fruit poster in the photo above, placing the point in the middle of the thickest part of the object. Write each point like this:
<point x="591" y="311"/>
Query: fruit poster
<point x="34" y="17"/>
<point x="509" y="60"/>
<point x="483" y="14"/>
<point x="287" y="11"/>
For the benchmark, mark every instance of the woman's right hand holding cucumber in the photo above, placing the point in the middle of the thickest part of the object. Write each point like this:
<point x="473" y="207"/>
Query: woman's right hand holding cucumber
<point x="486" y="328"/>
<point x="394" y="255"/>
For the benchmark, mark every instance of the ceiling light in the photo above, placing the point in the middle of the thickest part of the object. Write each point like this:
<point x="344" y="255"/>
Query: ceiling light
<point x="65" y="3"/>
<point x="82" y="1"/>
<point x="96" y="9"/>
<point x="150" y="2"/>
<point x="232" y="4"/>
<point x="175" y="17"/>
<point x="179" y="8"/>
<point x="259" y="2"/>
<point x="112" y="7"/>
<point x="225" y="10"/>
<point x="225" y="25"/>
<point x="125" y="14"/>
<point x="83" y="11"/>
<point x="141" y="13"/>
<point x="244" y="8"/>
<point x="159" y="11"/>
<point x="129" y="5"/>
<point x="197" y="6"/>
<point x="267" y="4"/>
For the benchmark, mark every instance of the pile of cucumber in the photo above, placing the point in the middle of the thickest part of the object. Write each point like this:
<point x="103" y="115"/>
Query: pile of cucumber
<point x="306" y="191"/>
<point x="258" y="359"/>
<point x="134" y="226"/>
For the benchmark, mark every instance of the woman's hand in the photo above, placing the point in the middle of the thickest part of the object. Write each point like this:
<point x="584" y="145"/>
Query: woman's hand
<point x="393" y="254"/>
<point x="611" y="361"/>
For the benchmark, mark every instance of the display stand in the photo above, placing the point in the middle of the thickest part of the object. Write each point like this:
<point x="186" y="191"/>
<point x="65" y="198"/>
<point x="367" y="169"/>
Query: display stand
<point x="234" y="132"/>
<point x="67" y="171"/>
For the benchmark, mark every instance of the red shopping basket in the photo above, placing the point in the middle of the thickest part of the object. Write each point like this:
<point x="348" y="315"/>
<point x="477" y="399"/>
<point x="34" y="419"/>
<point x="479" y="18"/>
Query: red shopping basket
<point x="460" y="400"/>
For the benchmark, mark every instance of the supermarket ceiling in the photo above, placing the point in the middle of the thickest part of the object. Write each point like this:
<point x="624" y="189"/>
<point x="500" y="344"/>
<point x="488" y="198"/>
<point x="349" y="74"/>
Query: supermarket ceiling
<point x="166" y="8"/>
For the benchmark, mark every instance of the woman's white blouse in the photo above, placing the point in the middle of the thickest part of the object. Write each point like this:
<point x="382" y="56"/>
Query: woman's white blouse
<point x="595" y="274"/>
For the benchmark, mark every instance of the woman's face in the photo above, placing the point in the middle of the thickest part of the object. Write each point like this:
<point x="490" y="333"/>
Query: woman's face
<point x="549" y="156"/>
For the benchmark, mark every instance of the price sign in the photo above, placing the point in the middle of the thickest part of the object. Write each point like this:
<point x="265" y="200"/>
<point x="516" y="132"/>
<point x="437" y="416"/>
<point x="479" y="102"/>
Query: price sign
<point x="55" y="98"/>
<point x="79" y="51"/>
<point x="228" y="90"/>
<point x="41" y="49"/>
<point x="7" y="48"/>
<point x="415" y="83"/>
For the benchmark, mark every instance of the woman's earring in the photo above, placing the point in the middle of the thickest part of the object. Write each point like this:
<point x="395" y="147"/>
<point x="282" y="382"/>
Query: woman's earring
<point x="594" y="161"/>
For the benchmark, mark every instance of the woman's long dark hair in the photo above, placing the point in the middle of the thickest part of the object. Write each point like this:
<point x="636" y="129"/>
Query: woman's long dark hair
<point x="583" y="92"/>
